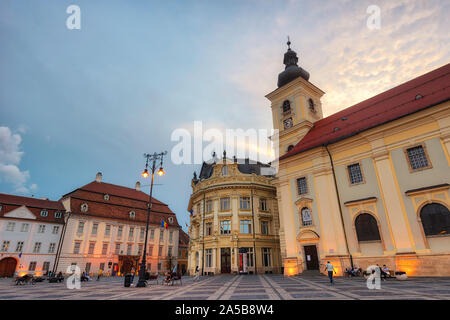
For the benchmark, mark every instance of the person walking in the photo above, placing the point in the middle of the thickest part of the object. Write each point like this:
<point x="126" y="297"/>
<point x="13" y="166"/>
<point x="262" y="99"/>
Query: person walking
<point x="197" y="274"/>
<point x="100" y="273"/>
<point x="330" y="269"/>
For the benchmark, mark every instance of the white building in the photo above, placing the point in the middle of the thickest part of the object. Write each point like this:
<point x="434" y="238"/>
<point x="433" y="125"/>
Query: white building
<point x="106" y="230"/>
<point x="30" y="231"/>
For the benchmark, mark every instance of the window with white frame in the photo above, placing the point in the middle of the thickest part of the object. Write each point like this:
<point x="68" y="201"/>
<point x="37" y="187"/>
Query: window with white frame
<point x="105" y="248"/>
<point x="267" y="257"/>
<point x="160" y="251"/>
<point x="208" y="258"/>
<point x="107" y="230"/>
<point x="46" y="266"/>
<point x="41" y="228"/>
<point x="91" y="248"/>
<point x="302" y="186"/>
<point x="10" y="226"/>
<point x="170" y="236"/>
<point x="80" y="229"/>
<point x="24" y="227"/>
<point x="131" y="233"/>
<point x="355" y="174"/>
<point x="265" y="227"/>
<point x="140" y="247"/>
<point x="19" y="246"/>
<point x="119" y="232"/>
<point x="225" y="204"/>
<point x="152" y="234"/>
<point x="55" y="229"/>
<point x="250" y="257"/>
<point x="94" y="229"/>
<point x="37" y="247"/>
<point x="132" y="214"/>
<point x="32" y="266"/>
<point x="5" y="246"/>
<point x="208" y="227"/>
<point x="263" y="204"/>
<point x="245" y="203"/>
<point x="246" y="226"/>
<point x="225" y="226"/>
<point x="76" y="247"/>
<point x="129" y="249"/>
<point x="169" y="251"/>
<point x="142" y="233"/>
<point x="209" y="206"/>
<point x="117" y="249"/>
<point x="58" y="214"/>
<point x="84" y="207"/>
<point x="44" y="213"/>
<point x="51" y="247"/>
<point x="306" y="217"/>
<point x="417" y="158"/>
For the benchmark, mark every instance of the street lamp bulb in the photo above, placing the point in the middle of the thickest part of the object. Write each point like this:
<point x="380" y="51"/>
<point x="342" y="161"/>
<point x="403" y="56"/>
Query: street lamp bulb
<point x="161" y="171"/>
<point x="145" y="173"/>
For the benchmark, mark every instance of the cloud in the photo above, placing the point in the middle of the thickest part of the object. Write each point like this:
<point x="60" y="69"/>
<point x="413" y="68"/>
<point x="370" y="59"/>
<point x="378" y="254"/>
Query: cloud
<point x="10" y="156"/>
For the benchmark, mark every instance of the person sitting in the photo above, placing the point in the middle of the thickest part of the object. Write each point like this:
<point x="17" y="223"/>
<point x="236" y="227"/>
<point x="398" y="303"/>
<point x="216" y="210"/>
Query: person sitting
<point x="60" y="277"/>
<point x="85" y="276"/>
<point x="349" y="272"/>
<point x="169" y="275"/>
<point x="385" y="273"/>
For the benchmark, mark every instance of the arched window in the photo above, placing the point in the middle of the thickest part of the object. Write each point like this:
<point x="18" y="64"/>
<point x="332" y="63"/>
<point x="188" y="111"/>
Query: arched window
<point x="290" y="147"/>
<point x="224" y="170"/>
<point x="435" y="219"/>
<point x="306" y="217"/>
<point x="286" y="106"/>
<point x="311" y="105"/>
<point x="367" y="228"/>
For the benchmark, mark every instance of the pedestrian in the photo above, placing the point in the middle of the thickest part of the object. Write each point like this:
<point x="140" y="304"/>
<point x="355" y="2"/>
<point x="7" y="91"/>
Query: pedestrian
<point x="100" y="273"/>
<point x="197" y="274"/>
<point x="330" y="269"/>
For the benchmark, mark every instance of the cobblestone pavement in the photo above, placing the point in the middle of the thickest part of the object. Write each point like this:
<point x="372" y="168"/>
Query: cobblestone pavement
<point x="229" y="287"/>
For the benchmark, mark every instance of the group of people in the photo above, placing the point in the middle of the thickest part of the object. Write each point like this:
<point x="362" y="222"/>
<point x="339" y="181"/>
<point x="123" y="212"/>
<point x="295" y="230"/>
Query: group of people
<point x="355" y="271"/>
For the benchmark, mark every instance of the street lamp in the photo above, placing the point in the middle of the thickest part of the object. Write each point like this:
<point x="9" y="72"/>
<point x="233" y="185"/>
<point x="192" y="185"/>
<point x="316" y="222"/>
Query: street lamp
<point x="154" y="158"/>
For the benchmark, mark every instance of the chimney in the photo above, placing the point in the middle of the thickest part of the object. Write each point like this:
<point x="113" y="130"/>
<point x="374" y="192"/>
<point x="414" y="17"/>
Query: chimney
<point x="98" y="177"/>
<point x="138" y="186"/>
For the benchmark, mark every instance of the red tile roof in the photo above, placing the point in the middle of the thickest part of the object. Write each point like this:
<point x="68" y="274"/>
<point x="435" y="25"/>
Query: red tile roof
<point x="121" y="201"/>
<point x="183" y="239"/>
<point x="11" y="202"/>
<point x="433" y="87"/>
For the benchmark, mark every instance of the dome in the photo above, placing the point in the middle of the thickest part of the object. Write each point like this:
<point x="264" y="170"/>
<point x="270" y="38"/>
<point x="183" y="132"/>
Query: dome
<point x="292" y="70"/>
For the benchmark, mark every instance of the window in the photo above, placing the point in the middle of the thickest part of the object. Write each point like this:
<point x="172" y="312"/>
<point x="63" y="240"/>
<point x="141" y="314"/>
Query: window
<point x="170" y="219"/>
<point x="105" y="248"/>
<point x="102" y="266"/>
<point x="19" y="247"/>
<point x="169" y="253"/>
<point x="131" y="233"/>
<point x="44" y="213"/>
<point x="129" y="249"/>
<point x="107" y="230"/>
<point x="290" y="147"/>
<point x="250" y="257"/>
<point x="170" y="236"/>
<point x="306" y="217"/>
<point x="41" y="228"/>
<point x="267" y="257"/>
<point x="142" y="233"/>
<point x="24" y="227"/>
<point x="37" y="247"/>
<point x="417" y="158"/>
<point x="160" y="251"/>
<point x="263" y="204"/>
<point x="302" y="187"/>
<point x="198" y="209"/>
<point x="159" y="266"/>
<point x="55" y="229"/>
<point x="80" y="227"/>
<point x="117" y="249"/>
<point x="286" y="106"/>
<point x="91" y="247"/>
<point x="84" y="207"/>
<point x="32" y="266"/>
<point x="119" y="232"/>
<point x="208" y="258"/>
<point x="10" y="226"/>
<point x="46" y="266"/>
<point x="58" y="214"/>
<point x="225" y="227"/>
<point x="132" y="214"/>
<point x="265" y="227"/>
<point x="209" y="206"/>
<point x="5" y="246"/>
<point x="354" y="173"/>
<point x="208" y="227"/>
<point x="140" y="247"/>
<point x="51" y="247"/>
<point x="76" y="247"/>
<point x="88" y="267"/>
<point x="152" y="234"/>
<point x="150" y="250"/>
<point x="245" y="203"/>
<point x="246" y="226"/>
<point x="224" y="170"/>
<point x="312" y="107"/>
<point x="435" y="219"/>
<point x="224" y="204"/>
<point x="149" y="266"/>
<point x="94" y="229"/>
<point x="367" y="228"/>
<point x="106" y="197"/>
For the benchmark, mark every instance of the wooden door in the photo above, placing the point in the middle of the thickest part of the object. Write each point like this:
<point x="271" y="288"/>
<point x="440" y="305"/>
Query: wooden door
<point x="7" y="267"/>
<point x="312" y="260"/>
<point x="225" y="260"/>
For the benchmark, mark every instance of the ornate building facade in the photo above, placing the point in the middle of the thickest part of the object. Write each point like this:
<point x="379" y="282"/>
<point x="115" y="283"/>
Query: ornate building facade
<point x="369" y="184"/>
<point x="105" y="229"/>
<point x="234" y="222"/>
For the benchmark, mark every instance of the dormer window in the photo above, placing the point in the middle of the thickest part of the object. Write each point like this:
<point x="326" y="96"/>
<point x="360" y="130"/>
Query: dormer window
<point x="106" y="197"/>
<point x="132" y="214"/>
<point x="286" y="106"/>
<point x="58" y="214"/>
<point x="312" y="107"/>
<point x="224" y="170"/>
<point x="44" y="213"/>
<point x="84" y="207"/>
<point x="170" y="219"/>
<point x="290" y="148"/>
<point x="1" y="207"/>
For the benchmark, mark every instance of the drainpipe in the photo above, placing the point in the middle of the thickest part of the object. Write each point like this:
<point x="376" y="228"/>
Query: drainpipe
<point x="203" y="222"/>
<point x="339" y="202"/>
<point x="254" y="227"/>
<point x="61" y="240"/>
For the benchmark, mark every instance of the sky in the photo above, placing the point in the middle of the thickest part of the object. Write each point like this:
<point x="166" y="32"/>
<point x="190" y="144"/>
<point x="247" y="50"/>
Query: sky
<point x="74" y="102"/>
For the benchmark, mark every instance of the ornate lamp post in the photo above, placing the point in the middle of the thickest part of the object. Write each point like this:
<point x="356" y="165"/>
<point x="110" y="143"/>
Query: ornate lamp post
<point x="154" y="158"/>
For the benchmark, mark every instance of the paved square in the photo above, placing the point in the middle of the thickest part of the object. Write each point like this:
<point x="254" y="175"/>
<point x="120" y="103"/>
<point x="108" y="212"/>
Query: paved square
<point x="229" y="287"/>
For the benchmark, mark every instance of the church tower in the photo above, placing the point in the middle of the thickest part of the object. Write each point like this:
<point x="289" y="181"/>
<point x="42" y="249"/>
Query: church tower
<point x="295" y="103"/>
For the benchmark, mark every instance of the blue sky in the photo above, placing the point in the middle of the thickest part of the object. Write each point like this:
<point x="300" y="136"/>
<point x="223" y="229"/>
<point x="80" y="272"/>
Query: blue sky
<point x="75" y="102"/>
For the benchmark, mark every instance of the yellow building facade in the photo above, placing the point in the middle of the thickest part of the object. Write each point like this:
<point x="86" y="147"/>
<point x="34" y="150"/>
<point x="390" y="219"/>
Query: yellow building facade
<point x="234" y="223"/>
<point x="369" y="184"/>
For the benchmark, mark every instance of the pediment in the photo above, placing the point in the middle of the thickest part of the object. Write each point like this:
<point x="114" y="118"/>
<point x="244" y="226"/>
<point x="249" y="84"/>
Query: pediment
<point x="303" y="202"/>
<point x="307" y="235"/>
<point x="21" y="213"/>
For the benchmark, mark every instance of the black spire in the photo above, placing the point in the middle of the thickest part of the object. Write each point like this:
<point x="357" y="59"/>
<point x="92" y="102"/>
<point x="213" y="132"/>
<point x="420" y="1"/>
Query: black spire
<point x="292" y="70"/>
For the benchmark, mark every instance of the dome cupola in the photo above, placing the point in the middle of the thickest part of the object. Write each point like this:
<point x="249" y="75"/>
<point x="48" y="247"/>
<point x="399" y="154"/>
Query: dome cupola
<point x="292" y="70"/>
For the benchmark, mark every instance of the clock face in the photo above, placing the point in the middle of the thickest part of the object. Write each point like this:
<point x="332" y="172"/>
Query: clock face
<point x="287" y="123"/>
